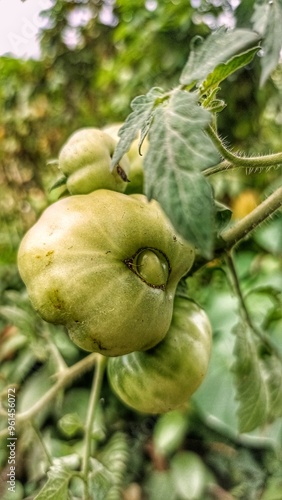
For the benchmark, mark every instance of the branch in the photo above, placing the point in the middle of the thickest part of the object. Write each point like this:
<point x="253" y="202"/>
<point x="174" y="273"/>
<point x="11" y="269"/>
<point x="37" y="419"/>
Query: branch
<point x="92" y="407"/>
<point x="66" y="377"/>
<point x="221" y="167"/>
<point x="233" y="235"/>
<point x="234" y="161"/>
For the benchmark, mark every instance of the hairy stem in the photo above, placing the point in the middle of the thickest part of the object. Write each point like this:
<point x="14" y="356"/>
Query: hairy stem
<point x="66" y="377"/>
<point x="221" y="167"/>
<point x="92" y="407"/>
<point x="240" y="161"/>
<point x="233" y="235"/>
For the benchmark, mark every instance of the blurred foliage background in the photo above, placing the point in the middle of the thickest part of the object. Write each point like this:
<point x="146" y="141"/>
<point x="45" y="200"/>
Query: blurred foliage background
<point x="97" y="55"/>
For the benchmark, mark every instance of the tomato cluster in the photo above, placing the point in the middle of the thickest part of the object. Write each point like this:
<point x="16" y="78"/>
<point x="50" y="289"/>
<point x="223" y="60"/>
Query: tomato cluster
<point x="106" y="265"/>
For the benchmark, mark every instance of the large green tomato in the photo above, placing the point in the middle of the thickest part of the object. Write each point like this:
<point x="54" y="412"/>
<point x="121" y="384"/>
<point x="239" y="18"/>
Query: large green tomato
<point x="164" y="377"/>
<point x="136" y="177"/>
<point x="105" y="265"/>
<point x="85" y="160"/>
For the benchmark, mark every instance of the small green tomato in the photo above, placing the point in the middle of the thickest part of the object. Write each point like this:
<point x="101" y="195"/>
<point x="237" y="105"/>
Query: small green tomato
<point x="85" y="160"/>
<point x="163" y="378"/>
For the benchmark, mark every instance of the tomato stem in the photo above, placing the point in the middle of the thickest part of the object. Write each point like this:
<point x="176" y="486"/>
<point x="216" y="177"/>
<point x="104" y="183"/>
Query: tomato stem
<point x="235" y="161"/>
<point x="233" y="235"/>
<point x="65" y="378"/>
<point x="92" y="408"/>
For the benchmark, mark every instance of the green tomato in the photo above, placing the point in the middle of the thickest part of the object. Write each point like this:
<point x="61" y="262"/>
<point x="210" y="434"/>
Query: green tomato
<point x="136" y="184"/>
<point x="105" y="265"/>
<point x="163" y="378"/>
<point x="85" y="160"/>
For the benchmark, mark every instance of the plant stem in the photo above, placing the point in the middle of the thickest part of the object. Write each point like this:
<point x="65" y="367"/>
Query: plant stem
<point x="221" y="167"/>
<point x="92" y="407"/>
<point x="233" y="235"/>
<point x="65" y="379"/>
<point x="42" y="443"/>
<point x="240" y="161"/>
<point x="244" y="311"/>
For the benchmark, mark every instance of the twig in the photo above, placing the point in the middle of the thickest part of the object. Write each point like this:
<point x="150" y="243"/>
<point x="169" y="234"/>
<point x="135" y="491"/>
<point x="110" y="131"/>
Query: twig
<point x="92" y="407"/>
<point x="243" y="161"/>
<point x="65" y="379"/>
<point x="233" y="235"/>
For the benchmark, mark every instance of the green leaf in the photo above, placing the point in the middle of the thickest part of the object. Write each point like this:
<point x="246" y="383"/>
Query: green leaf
<point x="223" y="70"/>
<point x="100" y="480"/>
<point x="140" y="117"/>
<point x="223" y="216"/>
<point x="179" y="148"/>
<point x="170" y="431"/>
<point x="189" y="474"/>
<point x="35" y="387"/>
<point x="71" y="424"/>
<point x="269" y="236"/>
<point x="252" y="393"/>
<point x="218" y="388"/>
<point x="273" y="369"/>
<point x="267" y="20"/>
<point x="160" y="484"/>
<point x="218" y="48"/>
<point x="61" y="181"/>
<point x="16" y="315"/>
<point x="177" y="134"/>
<point x="186" y="198"/>
<point x="114" y="457"/>
<point x="56" y="487"/>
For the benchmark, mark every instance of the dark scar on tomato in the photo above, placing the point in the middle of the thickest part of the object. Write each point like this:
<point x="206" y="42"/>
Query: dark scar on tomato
<point x="122" y="174"/>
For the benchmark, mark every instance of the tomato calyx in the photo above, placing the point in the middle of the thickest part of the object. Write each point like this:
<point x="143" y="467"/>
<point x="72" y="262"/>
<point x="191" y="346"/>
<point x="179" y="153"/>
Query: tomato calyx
<point x="151" y="265"/>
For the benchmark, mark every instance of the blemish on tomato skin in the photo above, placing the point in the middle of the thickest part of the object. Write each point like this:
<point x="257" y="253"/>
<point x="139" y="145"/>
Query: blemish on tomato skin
<point x="56" y="300"/>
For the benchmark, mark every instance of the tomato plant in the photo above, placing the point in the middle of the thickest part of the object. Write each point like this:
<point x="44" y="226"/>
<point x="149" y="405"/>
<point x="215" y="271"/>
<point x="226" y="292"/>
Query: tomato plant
<point x="110" y="267"/>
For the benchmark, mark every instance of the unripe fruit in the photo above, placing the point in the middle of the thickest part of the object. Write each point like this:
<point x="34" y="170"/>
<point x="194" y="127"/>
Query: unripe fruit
<point x="105" y="265"/>
<point x="85" y="160"/>
<point x="163" y="378"/>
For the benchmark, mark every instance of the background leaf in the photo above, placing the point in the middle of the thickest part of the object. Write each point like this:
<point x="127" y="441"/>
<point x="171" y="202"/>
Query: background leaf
<point x="223" y="70"/>
<point x="267" y="20"/>
<point x="100" y="480"/>
<point x="218" y="48"/>
<point x="56" y="487"/>
<point x="273" y="369"/>
<point x="251" y="388"/>
<point x="223" y="216"/>
<point x="189" y="474"/>
<point x="169" y="432"/>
